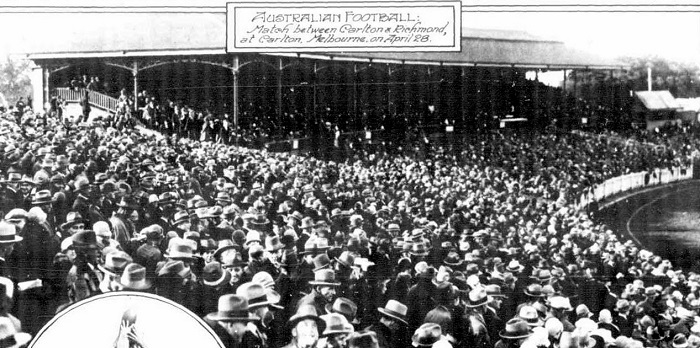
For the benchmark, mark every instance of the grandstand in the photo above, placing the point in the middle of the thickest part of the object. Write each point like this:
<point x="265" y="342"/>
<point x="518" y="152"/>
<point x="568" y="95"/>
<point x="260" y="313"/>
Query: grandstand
<point x="183" y="58"/>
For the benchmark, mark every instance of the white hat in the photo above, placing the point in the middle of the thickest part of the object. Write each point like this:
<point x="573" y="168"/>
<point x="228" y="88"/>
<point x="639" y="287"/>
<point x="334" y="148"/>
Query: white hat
<point x="101" y="229"/>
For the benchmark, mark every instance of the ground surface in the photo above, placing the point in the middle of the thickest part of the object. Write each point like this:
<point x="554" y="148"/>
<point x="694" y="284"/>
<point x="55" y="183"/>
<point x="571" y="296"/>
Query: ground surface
<point x="664" y="220"/>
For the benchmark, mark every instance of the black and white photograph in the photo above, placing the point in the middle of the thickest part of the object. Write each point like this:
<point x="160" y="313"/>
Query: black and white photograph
<point x="349" y="174"/>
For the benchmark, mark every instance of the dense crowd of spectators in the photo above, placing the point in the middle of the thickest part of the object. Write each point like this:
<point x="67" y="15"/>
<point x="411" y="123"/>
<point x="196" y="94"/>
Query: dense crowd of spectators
<point x="478" y="246"/>
<point x="399" y="111"/>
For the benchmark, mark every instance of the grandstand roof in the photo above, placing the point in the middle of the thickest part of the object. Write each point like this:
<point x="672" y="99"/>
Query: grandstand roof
<point x="135" y="34"/>
<point x="658" y="100"/>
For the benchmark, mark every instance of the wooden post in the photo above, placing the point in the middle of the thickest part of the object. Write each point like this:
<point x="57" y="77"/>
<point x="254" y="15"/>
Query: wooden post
<point x="315" y="77"/>
<point x="279" y="92"/>
<point x="234" y="70"/>
<point x="135" y="73"/>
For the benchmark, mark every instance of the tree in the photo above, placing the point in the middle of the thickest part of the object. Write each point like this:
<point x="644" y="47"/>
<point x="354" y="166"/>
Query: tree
<point x="681" y="79"/>
<point x="14" y="79"/>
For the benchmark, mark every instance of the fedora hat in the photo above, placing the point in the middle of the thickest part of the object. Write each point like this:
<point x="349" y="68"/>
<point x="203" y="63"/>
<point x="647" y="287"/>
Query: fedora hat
<point x="494" y="290"/>
<point x="514" y="267"/>
<point x="427" y="335"/>
<point x="305" y="312"/>
<point x="542" y="276"/>
<point x="477" y="298"/>
<point x="346" y="259"/>
<point x="232" y="308"/>
<point x="13" y="178"/>
<point x="72" y="218"/>
<point x="345" y="307"/>
<point x="453" y="260"/>
<point x="622" y="306"/>
<point x="264" y="279"/>
<point x="42" y="197"/>
<point x="81" y="183"/>
<point x="174" y="268"/>
<point x="16" y="215"/>
<point x="419" y="249"/>
<point x="582" y="311"/>
<point x="530" y="316"/>
<point x="324" y="277"/>
<point x="560" y="302"/>
<point x="9" y="337"/>
<point x="214" y="275"/>
<point x="257" y="295"/>
<point x="180" y="250"/>
<point x="180" y="217"/>
<point x="8" y="233"/>
<point x="296" y="216"/>
<point x="395" y="310"/>
<point x="321" y="261"/>
<point x="223" y="197"/>
<point x="534" y="290"/>
<point x="85" y="239"/>
<point x="134" y="278"/>
<point x="336" y="324"/>
<point x="167" y="198"/>
<point x="223" y="246"/>
<point x="115" y="263"/>
<point x="516" y="328"/>
<point x="211" y="212"/>
<point x="307" y="222"/>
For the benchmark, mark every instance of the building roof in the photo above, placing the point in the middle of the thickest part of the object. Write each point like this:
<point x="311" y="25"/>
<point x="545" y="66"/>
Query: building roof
<point x="689" y="104"/>
<point x="124" y="34"/>
<point x="658" y="100"/>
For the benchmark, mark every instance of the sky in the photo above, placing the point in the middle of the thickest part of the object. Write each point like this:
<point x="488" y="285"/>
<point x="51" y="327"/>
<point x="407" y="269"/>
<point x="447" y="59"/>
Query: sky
<point x="673" y="35"/>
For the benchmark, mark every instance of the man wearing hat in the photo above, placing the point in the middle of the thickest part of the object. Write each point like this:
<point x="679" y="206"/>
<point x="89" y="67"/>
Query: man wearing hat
<point x="149" y="253"/>
<point x="83" y="277"/>
<point x="74" y="224"/>
<point x="391" y="330"/>
<point x="124" y="229"/>
<point x="230" y="320"/>
<point x="337" y="330"/>
<point x="477" y="335"/>
<point x="306" y="327"/>
<point x="346" y="308"/>
<point x="514" y="334"/>
<point x="323" y="290"/>
<point x="560" y="307"/>
<point x="8" y="239"/>
<point x="492" y="314"/>
<point x="623" y="319"/>
<point x="261" y="303"/>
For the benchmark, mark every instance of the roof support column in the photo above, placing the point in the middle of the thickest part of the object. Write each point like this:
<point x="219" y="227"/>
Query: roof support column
<point x="463" y="98"/>
<point x="234" y="69"/>
<point x="315" y="85"/>
<point x="611" y="93"/>
<point x="279" y="92"/>
<point x="573" y="76"/>
<point x="40" y="87"/>
<point x="354" y="98"/>
<point x="135" y="73"/>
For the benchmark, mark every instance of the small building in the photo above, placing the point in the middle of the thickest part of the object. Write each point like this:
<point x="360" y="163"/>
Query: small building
<point x="656" y="108"/>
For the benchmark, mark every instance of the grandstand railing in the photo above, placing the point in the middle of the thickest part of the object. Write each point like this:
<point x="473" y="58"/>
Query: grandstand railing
<point x="96" y="99"/>
<point x="634" y="181"/>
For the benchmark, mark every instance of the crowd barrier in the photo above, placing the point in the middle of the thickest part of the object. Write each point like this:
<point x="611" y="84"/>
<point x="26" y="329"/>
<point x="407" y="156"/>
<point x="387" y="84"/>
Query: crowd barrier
<point x="634" y="181"/>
